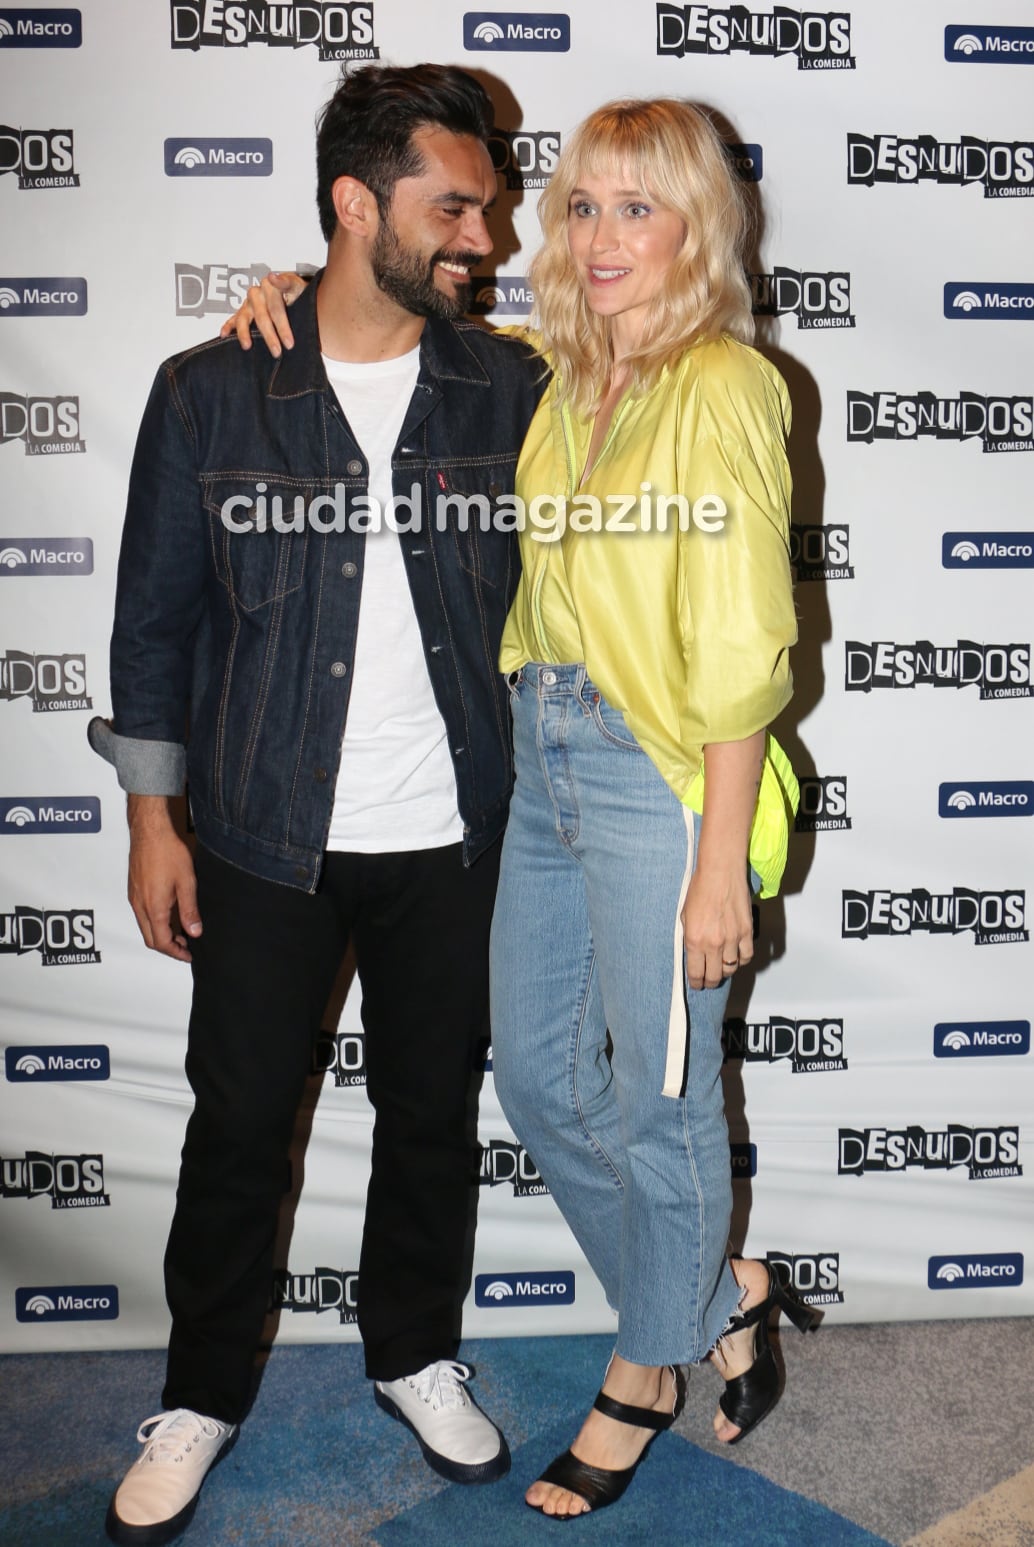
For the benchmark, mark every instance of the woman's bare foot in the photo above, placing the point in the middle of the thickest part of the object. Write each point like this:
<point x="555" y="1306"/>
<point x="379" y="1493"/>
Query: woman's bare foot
<point x="603" y="1441"/>
<point x="734" y="1354"/>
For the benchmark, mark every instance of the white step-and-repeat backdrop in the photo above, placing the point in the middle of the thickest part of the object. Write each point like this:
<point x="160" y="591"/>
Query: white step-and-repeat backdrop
<point x="153" y="159"/>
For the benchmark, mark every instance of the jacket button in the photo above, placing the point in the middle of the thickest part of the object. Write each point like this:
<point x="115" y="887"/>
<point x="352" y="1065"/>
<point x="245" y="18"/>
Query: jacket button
<point x="353" y="468"/>
<point x="338" y="669"/>
<point x="300" y="873"/>
<point x="320" y="775"/>
<point x="494" y="490"/>
<point x="350" y="570"/>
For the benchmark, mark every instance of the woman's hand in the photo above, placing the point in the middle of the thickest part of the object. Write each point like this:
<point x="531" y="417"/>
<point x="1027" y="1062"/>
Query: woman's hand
<point x="718" y="925"/>
<point x="717" y="918"/>
<point x="266" y="307"/>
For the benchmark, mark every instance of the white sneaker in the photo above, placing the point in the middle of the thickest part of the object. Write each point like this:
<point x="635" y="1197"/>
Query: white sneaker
<point x="158" y="1495"/>
<point x="457" y="1440"/>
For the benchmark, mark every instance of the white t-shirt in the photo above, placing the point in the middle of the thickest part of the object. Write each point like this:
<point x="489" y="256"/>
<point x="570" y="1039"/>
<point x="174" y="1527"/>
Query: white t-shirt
<point x="396" y="788"/>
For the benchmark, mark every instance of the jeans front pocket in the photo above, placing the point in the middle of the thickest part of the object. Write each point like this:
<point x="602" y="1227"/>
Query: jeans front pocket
<point x="609" y="722"/>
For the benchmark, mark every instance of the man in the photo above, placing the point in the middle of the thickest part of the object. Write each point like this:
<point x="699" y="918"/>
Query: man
<point x="348" y="762"/>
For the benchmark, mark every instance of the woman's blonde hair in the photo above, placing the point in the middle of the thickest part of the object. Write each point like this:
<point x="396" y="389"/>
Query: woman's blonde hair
<point x="672" y="151"/>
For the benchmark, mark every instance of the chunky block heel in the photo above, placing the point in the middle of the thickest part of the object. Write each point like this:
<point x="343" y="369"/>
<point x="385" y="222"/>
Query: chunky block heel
<point x="749" y="1397"/>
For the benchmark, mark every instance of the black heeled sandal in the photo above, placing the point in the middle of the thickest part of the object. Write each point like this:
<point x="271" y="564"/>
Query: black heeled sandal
<point x="749" y="1397"/>
<point x="598" y="1485"/>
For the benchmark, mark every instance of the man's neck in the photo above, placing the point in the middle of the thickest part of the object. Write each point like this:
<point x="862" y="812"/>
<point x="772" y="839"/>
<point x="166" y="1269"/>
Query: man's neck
<point x="356" y="320"/>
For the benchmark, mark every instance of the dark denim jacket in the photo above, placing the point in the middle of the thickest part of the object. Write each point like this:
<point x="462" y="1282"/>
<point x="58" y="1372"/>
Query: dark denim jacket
<point x="249" y="638"/>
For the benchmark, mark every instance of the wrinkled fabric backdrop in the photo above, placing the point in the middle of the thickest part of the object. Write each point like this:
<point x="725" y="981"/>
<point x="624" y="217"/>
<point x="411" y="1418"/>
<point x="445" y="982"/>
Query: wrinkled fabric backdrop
<point x="154" y="159"/>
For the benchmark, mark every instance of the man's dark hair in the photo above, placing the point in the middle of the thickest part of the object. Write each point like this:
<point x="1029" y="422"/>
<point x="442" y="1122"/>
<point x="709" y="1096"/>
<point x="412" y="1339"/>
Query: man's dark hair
<point x="366" y="129"/>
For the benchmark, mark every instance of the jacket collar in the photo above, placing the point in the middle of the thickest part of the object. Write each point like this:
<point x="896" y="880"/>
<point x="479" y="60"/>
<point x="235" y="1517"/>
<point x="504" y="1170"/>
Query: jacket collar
<point x="444" y="354"/>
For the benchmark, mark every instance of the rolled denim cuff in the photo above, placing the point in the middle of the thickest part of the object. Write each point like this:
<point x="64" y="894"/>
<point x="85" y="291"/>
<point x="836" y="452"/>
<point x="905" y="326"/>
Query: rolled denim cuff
<point x="143" y="767"/>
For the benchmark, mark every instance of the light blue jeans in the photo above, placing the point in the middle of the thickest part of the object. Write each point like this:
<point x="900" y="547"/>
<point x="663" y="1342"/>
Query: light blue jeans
<point x="593" y="864"/>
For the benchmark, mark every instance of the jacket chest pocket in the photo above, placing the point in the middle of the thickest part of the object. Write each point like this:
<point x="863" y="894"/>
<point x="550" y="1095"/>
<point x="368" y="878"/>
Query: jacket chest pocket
<point x="259" y="532"/>
<point x="482" y="519"/>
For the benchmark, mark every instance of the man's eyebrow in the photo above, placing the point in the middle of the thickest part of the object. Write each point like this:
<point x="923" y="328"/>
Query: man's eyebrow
<point x="458" y="198"/>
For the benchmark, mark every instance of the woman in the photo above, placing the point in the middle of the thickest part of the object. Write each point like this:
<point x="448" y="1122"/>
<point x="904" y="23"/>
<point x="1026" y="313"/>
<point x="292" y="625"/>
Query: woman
<point x="646" y="659"/>
<point x="641" y="657"/>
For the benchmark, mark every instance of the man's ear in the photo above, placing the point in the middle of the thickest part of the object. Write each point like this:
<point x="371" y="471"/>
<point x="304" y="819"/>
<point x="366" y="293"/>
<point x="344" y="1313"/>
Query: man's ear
<point x="355" y="207"/>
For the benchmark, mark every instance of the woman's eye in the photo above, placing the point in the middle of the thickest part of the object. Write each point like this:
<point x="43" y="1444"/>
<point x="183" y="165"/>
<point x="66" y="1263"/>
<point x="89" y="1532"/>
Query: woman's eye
<point x="637" y="211"/>
<point x="581" y="208"/>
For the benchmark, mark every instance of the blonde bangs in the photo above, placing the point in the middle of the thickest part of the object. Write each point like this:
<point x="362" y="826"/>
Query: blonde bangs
<point x="673" y="153"/>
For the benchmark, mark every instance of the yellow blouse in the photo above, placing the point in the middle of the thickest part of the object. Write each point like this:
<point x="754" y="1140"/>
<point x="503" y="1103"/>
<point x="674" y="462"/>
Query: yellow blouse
<point x="680" y="608"/>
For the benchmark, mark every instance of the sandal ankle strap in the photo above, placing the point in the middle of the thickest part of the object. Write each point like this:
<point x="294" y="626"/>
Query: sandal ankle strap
<point x="642" y="1417"/>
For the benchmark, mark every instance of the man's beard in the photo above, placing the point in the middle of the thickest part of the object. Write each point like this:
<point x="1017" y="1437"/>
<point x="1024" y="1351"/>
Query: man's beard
<point x="408" y="277"/>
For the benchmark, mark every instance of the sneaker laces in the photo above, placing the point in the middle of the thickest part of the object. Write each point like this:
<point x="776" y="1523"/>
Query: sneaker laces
<point x="441" y="1384"/>
<point x="171" y="1436"/>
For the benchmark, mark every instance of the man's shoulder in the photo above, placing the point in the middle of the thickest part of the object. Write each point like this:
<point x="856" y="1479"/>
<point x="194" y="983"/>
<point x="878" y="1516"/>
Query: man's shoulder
<point x="218" y="359"/>
<point x="501" y="350"/>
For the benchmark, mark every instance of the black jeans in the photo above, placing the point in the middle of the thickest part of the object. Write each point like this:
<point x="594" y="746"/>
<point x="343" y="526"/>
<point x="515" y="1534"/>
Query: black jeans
<point x="263" y="969"/>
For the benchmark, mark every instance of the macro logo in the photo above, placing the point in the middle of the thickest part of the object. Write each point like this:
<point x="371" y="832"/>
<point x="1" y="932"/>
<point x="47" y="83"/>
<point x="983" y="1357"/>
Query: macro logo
<point x="45" y="296"/>
<point x="46" y="556"/>
<point x="821" y="40"/>
<point x="50" y="814"/>
<point x="214" y="288"/>
<point x="525" y="158"/>
<point x="64" y="937"/>
<point x="501" y="295"/>
<point x="992" y="918"/>
<point x="987" y="550"/>
<point x="988" y="797"/>
<point x="69" y="1181"/>
<point x="39" y="1065"/>
<point x="344" y="1053"/>
<point x="969" y="299"/>
<point x="981" y="1039"/>
<point x="1004" y="168"/>
<point x="748" y="161"/>
<point x="40" y="27"/>
<point x="814" y="1046"/>
<point x="999" y="671"/>
<point x="988" y="1270"/>
<point x="506" y="1289"/>
<point x="821" y="552"/>
<point x="41" y="158"/>
<point x="218" y="158"/>
<point x="327" y="1289"/>
<point x="999" y="423"/>
<point x="823" y="804"/>
<point x="51" y="682"/>
<point x="817" y="300"/>
<point x="981" y="44"/>
<point x="48" y="426"/>
<point x="511" y="1163"/>
<point x="744" y="1158"/>
<point x="985" y="1152"/>
<point x="339" y="31"/>
<point x="67" y="1302"/>
<point x="516" y="31"/>
<point x="813" y="1276"/>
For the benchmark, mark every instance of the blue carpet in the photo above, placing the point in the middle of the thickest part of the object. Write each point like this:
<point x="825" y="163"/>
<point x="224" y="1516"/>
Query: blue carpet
<point x="319" y="1465"/>
<point x="681" y="1494"/>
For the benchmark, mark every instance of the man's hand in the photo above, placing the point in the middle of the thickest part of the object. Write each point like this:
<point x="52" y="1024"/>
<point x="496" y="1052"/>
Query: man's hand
<point x="162" y="887"/>
<point x="266" y="307"/>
